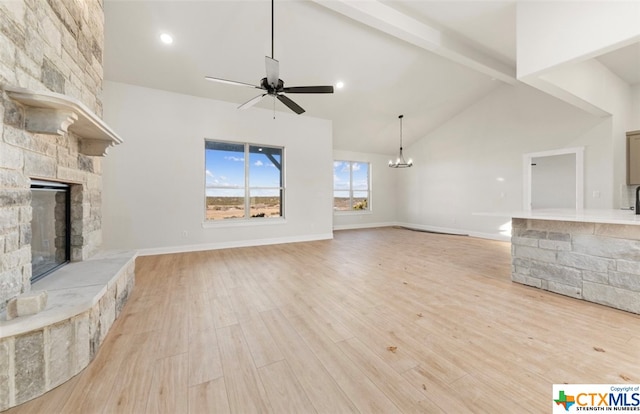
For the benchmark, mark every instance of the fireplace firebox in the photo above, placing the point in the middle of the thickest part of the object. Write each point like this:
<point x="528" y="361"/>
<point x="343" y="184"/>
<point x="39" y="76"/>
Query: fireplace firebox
<point x="50" y="227"/>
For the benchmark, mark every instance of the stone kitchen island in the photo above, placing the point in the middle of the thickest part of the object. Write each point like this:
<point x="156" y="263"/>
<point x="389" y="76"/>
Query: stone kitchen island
<point x="592" y="255"/>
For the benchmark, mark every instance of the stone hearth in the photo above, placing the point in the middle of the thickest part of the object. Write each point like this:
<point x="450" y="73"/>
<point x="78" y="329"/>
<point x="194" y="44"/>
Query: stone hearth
<point x="42" y="351"/>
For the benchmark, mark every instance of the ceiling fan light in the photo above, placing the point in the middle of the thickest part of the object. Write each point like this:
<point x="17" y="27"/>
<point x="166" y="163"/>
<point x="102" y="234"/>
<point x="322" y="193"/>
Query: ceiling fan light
<point x="166" y="38"/>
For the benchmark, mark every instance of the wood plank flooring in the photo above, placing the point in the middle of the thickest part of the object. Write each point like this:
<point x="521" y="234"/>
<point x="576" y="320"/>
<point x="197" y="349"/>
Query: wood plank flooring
<point x="375" y="321"/>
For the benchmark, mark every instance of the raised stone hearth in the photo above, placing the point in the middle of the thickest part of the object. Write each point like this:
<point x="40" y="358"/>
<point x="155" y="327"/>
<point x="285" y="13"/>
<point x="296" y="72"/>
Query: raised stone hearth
<point x="39" y="352"/>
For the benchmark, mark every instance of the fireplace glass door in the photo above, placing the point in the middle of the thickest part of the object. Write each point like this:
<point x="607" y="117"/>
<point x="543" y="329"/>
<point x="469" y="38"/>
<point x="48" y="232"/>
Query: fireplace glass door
<point x="50" y="227"/>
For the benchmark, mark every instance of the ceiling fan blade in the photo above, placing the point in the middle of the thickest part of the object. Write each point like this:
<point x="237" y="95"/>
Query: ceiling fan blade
<point x="290" y="104"/>
<point x="273" y="71"/>
<point x="308" y="89"/>
<point x="230" y="82"/>
<point x="252" y="101"/>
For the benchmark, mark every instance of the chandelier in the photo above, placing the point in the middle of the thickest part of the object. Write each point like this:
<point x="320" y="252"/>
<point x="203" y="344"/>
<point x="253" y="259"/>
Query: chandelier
<point x="400" y="162"/>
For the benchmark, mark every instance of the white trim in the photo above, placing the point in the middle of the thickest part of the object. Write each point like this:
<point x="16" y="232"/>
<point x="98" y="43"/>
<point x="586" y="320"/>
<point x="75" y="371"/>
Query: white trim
<point x="229" y="245"/>
<point x="526" y="174"/>
<point x="351" y="212"/>
<point x="426" y="227"/>
<point x="325" y="236"/>
<point x="460" y="232"/>
<point x="240" y="222"/>
<point x="490" y="236"/>
<point x="361" y="226"/>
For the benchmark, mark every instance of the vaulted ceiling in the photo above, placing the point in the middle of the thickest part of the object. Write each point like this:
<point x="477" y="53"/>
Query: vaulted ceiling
<point x="427" y="60"/>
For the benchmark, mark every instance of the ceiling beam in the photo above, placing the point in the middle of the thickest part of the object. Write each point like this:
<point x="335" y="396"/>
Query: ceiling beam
<point x="375" y="14"/>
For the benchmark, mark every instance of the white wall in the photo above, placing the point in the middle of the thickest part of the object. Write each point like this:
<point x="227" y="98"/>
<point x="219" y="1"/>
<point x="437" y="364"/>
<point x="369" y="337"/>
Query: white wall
<point x="154" y="182"/>
<point x="473" y="163"/>
<point x="383" y="193"/>
<point x="550" y="33"/>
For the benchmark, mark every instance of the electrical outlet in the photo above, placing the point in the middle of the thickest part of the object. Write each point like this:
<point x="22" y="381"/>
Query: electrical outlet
<point x="185" y="234"/>
<point x="596" y="194"/>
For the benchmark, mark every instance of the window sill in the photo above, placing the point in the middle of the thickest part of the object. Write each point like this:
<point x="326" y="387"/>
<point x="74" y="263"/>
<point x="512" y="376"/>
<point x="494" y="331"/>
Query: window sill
<point x="243" y="222"/>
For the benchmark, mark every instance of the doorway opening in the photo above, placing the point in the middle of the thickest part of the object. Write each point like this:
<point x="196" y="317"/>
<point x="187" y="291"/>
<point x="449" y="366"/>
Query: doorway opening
<point x="554" y="179"/>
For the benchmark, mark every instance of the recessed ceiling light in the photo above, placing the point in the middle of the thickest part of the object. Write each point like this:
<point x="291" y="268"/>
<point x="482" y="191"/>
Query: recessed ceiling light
<point x="340" y="85"/>
<point x="166" y="38"/>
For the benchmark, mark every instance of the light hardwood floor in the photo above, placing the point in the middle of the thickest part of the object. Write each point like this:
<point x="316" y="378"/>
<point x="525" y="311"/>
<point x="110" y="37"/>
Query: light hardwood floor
<point x="374" y="321"/>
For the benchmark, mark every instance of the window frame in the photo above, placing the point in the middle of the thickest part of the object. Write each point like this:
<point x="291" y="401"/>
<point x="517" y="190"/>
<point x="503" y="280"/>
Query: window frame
<point x="351" y="190"/>
<point x="247" y="189"/>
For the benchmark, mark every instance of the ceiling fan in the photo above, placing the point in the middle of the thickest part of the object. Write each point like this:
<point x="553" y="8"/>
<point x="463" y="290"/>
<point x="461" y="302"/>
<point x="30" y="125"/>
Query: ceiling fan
<point x="272" y="85"/>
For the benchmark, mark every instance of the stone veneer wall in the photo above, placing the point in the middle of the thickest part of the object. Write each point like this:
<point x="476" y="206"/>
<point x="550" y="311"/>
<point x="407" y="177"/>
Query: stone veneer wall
<point x="592" y="261"/>
<point x="53" y="45"/>
<point x="37" y="361"/>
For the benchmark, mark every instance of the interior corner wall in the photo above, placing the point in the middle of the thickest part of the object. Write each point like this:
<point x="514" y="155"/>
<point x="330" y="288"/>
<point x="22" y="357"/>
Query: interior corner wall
<point x="383" y="193"/>
<point x="469" y="177"/>
<point x="154" y="182"/>
<point x="550" y="33"/>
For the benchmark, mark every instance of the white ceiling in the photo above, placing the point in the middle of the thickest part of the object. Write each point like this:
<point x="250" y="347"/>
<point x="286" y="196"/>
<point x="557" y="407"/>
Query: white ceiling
<point x="384" y="76"/>
<point x="490" y="26"/>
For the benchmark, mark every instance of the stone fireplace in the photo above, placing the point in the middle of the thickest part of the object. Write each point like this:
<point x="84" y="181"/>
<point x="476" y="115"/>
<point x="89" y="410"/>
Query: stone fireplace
<point x="51" y="131"/>
<point x="50" y="174"/>
<point x="52" y="139"/>
<point x="50" y="127"/>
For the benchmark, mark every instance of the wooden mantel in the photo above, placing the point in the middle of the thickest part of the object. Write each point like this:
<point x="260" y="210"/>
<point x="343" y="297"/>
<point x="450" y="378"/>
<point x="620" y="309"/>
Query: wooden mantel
<point x="55" y="114"/>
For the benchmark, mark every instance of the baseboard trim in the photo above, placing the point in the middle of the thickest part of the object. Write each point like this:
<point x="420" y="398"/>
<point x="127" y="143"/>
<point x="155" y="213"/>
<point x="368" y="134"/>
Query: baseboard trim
<point x="460" y="232"/>
<point x="362" y="226"/>
<point x="326" y="236"/>
<point x="230" y="245"/>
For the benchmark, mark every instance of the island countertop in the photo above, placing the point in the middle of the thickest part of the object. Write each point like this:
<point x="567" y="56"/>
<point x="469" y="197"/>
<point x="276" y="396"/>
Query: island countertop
<point x="610" y="216"/>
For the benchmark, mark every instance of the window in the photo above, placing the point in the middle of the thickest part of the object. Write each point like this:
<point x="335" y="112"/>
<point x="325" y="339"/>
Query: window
<point x="351" y="186"/>
<point x="243" y="181"/>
